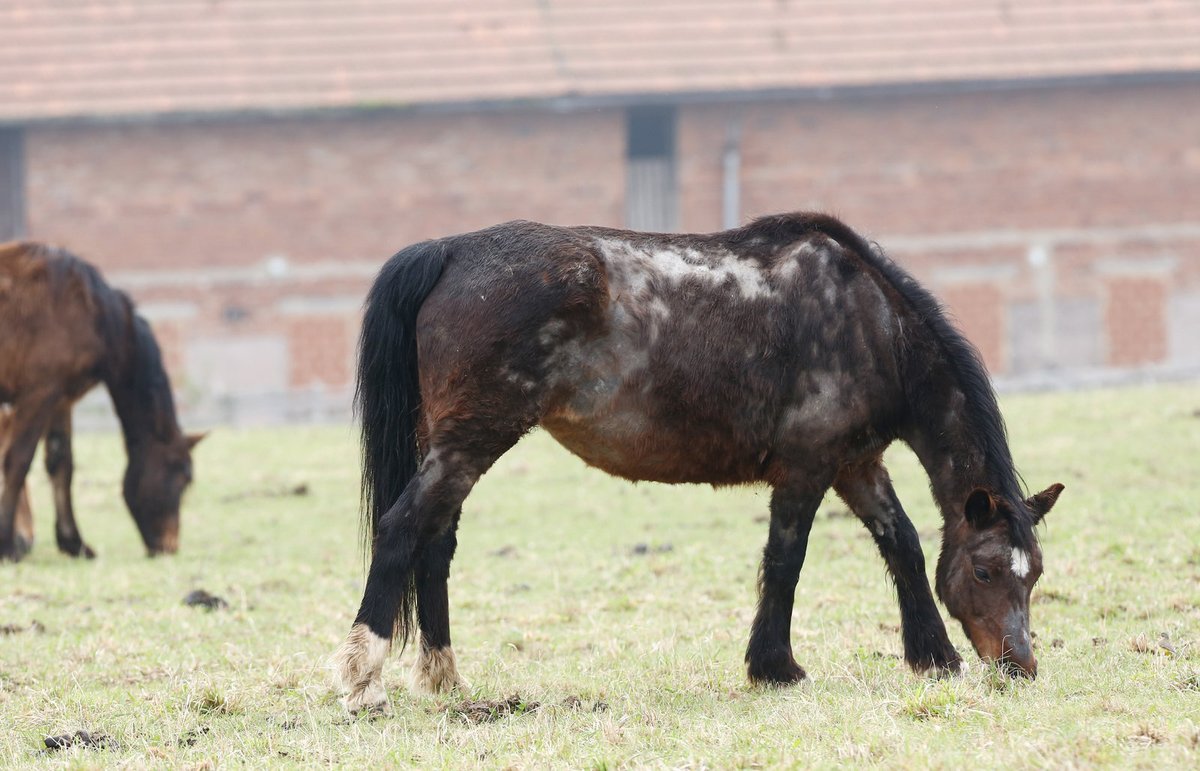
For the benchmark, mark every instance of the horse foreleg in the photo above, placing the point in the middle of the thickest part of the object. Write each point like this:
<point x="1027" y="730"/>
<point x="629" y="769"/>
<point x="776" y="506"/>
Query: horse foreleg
<point x="422" y="517"/>
<point x="868" y="491"/>
<point x="435" y="670"/>
<point x="23" y="522"/>
<point x="60" y="466"/>
<point x="23" y="518"/>
<point x="769" y="655"/>
<point x="28" y="424"/>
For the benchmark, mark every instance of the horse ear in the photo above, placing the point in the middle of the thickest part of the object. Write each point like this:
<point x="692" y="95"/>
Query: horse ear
<point x="1044" y="501"/>
<point x="194" y="439"/>
<point x="980" y="509"/>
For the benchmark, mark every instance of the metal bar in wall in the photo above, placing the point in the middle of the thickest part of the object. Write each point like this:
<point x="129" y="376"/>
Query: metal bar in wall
<point x="650" y="194"/>
<point x="12" y="184"/>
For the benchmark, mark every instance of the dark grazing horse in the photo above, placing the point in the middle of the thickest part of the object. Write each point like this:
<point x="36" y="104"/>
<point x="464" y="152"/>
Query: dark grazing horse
<point x="63" y="331"/>
<point x="790" y="352"/>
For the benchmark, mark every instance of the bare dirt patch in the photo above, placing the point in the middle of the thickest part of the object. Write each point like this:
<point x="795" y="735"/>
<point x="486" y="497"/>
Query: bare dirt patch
<point x="479" y="711"/>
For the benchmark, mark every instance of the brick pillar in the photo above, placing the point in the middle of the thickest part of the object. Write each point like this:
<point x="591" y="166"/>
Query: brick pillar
<point x="1135" y="318"/>
<point x="979" y="312"/>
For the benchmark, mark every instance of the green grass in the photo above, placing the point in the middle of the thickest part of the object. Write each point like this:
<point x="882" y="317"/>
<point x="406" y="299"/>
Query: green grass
<point x="635" y="659"/>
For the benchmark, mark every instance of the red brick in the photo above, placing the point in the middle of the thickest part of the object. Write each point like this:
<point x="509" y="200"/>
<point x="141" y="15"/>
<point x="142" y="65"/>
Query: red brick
<point x="979" y="310"/>
<point x="1135" y="314"/>
<point x="319" y="351"/>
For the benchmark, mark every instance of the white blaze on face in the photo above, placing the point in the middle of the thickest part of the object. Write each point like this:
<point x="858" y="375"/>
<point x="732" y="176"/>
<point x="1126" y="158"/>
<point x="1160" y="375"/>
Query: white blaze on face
<point x="1020" y="563"/>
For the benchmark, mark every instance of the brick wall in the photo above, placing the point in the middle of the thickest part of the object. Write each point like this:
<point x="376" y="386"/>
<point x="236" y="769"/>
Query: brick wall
<point x="250" y="244"/>
<point x="318" y="190"/>
<point x="1060" y="226"/>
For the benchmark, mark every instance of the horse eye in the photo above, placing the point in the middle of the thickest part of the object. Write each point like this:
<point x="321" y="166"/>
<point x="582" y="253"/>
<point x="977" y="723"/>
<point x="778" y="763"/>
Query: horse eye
<point x="982" y="575"/>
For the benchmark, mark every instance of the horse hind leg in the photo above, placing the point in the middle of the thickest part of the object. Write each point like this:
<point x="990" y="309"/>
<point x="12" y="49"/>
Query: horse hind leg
<point x="867" y="490"/>
<point x="411" y="535"/>
<point x="435" y="670"/>
<point x="23" y="523"/>
<point x="60" y="466"/>
<point x="29" y="421"/>
<point x="23" y="517"/>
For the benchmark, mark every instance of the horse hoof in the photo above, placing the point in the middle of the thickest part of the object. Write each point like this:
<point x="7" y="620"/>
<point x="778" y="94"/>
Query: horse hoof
<point x="436" y="671"/>
<point x="358" y="666"/>
<point x="371" y="700"/>
<point x="940" y="665"/>
<point x="788" y="673"/>
<point x="21" y="546"/>
<point x="14" y="553"/>
<point x="76" y="549"/>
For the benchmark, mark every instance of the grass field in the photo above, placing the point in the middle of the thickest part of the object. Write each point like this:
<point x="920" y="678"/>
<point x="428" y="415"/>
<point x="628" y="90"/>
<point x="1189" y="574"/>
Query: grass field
<point x="616" y="614"/>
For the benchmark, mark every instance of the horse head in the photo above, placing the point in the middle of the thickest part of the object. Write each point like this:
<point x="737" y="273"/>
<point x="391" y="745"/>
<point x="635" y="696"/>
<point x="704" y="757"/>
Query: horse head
<point x="985" y="575"/>
<point x="155" y="481"/>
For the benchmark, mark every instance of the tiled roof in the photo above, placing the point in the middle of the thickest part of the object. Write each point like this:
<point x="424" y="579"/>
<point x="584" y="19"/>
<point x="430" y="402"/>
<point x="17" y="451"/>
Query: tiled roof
<point x="61" y="58"/>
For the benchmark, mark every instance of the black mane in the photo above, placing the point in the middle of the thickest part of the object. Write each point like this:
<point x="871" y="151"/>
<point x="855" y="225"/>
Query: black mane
<point x="134" y="366"/>
<point x="112" y="308"/>
<point x="148" y="378"/>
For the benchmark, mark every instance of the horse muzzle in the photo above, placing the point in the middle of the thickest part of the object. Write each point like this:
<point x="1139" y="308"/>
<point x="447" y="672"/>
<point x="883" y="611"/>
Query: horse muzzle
<point x="168" y="544"/>
<point x="167" y="541"/>
<point x="1011" y="650"/>
<point x="1016" y="657"/>
<point x="1019" y="665"/>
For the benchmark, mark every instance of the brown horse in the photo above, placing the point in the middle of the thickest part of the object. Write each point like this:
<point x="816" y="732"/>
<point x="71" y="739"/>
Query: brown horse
<point x="65" y="330"/>
<point x="789" y="352"/>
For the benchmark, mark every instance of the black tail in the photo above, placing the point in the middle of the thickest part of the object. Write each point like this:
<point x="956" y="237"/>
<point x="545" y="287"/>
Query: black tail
<point x="388" y="396"/>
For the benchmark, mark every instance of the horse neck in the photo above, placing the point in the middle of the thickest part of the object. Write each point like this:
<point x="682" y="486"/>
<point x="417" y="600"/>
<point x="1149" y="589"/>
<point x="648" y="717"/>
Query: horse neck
<point x="140" y="389"/>
<point x="955" y="451"/>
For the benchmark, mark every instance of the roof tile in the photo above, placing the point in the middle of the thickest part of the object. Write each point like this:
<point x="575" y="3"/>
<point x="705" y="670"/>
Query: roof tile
<point x="64" y="58"/>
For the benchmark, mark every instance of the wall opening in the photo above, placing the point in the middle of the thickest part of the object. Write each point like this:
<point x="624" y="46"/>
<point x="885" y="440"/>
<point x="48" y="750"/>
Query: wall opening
<point x="651" y="188"/>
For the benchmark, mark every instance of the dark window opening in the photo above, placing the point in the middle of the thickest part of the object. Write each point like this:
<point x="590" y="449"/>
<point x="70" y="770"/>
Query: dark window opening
<point x="650" y="132"/>
<point x="651" y="188"/>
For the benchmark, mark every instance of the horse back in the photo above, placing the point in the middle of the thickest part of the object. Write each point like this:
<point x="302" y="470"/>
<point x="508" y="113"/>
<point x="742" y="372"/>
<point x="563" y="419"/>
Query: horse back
<point x="722" y="358"/>
<point x="50" y="311"/>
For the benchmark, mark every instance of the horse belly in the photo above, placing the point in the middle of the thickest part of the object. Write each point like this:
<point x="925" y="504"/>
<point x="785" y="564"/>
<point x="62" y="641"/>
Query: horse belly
<point x="641" y="458"/>
<point x="633" y="407"/>
<point x="625" y="433"/>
